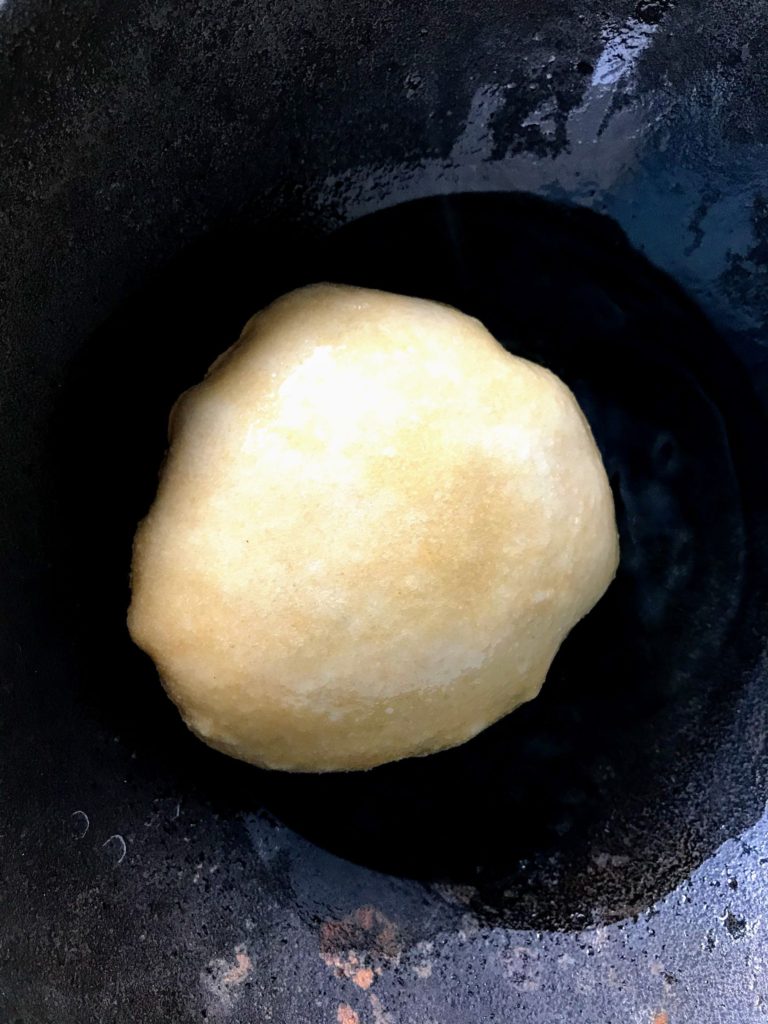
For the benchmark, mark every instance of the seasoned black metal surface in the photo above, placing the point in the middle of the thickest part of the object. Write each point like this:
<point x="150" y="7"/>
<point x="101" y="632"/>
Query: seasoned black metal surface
<point x="601" y="855"/>
<point x="590" y="766"/>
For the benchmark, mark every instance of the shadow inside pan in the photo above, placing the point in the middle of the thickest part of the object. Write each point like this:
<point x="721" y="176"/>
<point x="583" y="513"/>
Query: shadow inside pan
<point x="598" y="797"/>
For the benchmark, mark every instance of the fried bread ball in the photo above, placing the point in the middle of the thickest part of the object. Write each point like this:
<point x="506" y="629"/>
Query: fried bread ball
<point x="374" y="528"/>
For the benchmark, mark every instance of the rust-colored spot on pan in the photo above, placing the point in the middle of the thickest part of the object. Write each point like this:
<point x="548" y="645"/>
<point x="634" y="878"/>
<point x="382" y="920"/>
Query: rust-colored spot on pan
<point x="346" y="1015"/>
<point x="360" y="946"/>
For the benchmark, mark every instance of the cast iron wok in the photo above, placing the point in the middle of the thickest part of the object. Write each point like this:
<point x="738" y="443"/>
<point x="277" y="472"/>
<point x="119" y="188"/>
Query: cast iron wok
<point x="591" y="182"/>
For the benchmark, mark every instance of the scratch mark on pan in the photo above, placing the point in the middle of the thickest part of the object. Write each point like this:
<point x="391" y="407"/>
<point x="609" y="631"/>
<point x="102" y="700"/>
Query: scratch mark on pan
<point x="85" y="821"/>
<point x="123" y="848"/>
